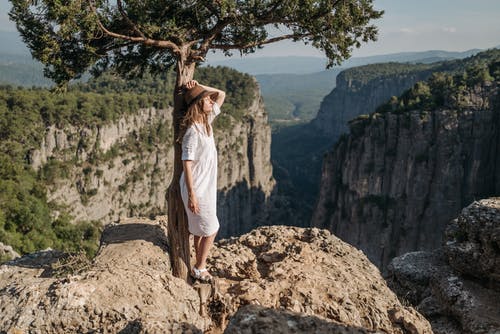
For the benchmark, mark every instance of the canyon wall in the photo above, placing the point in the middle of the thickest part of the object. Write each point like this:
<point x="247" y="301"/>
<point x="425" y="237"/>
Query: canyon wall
<point x="123" y="168"/>
<point x="392" y="184"/>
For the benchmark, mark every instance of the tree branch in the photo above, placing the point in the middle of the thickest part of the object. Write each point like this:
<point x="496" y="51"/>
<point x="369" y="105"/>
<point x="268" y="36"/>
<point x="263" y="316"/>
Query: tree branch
<point x="126" y="18"/>
<point x="144" y="40"/>
<point x="217" y="29"/>
<point x="263" y="20"/>
<point x="254" y="44"/>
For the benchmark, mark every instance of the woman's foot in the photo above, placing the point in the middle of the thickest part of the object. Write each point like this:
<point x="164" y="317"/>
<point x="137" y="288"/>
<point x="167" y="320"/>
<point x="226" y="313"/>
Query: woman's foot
<point x="201" y="274"/>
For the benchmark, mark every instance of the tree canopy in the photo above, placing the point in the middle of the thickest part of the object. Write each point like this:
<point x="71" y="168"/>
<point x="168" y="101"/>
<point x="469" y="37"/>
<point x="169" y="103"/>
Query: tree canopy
<point x="132" y="36"/>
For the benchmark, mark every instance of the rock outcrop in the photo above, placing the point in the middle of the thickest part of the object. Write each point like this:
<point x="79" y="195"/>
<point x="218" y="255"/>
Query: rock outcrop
<point x="391" y="186"/>
<point x="308" y="271"/>
<point x="360" y="90"/>
<point x="111" y="172"/>
<point x="7" y="252"/>
<point x="458" y="286"/>
<point x="128" y="286"/>
<point x="106" y="178"/>
<point x="257" y="319"/>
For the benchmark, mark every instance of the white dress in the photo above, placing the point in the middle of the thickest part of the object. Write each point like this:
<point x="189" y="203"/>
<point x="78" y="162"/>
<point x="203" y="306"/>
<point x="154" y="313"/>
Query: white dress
<point x="200" y="148"/>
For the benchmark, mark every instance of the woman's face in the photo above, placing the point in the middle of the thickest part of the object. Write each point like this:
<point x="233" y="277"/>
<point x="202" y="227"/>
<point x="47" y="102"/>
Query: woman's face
<point x="207" y="104"/>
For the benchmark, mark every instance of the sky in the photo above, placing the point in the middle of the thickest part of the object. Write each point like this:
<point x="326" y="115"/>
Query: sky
<point x="407" y="25"/>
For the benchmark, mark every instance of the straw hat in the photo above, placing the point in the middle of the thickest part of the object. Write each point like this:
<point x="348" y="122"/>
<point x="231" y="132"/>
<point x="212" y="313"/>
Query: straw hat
<point x="196" y="93"/>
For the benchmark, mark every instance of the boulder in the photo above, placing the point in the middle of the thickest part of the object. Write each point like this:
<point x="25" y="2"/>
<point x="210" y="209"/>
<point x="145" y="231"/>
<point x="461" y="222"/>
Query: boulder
<point x="456" y="287"/>
<point x="311" y="272"/>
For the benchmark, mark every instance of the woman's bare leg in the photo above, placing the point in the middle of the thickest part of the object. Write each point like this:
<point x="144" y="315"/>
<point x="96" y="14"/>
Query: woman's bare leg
<point x="203" y="250"/>
<point x="197" y="241"/>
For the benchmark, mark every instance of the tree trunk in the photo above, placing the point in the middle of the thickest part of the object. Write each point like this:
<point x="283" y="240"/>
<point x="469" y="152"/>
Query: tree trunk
<point x="178" y="234"/>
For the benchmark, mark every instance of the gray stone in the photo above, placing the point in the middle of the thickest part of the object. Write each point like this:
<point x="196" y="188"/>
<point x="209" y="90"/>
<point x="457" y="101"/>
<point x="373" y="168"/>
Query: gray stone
<point x="472" y="242"/>
<point x="7" y="252"/>
<point x="395" y="182"/>
<point x="453" y="288"/>
<point x="257" y="319"/>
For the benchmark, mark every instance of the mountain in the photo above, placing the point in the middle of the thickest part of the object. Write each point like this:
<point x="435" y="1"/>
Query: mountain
<point x="303" y="65"/>
<point x="391" y="185"/>
<point x="293" y="87"/>
<point x="294" y="98"/>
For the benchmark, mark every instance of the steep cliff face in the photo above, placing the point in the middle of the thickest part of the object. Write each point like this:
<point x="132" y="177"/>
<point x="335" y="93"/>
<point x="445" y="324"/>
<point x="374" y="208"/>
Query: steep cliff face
<point x="298" y="151"/>
<point x="391" y="186"/>
<point x="360" y="90"/>
<point x="122" y="168"/>
<point x="245" y="180"/>
<point x="106" y="171"/>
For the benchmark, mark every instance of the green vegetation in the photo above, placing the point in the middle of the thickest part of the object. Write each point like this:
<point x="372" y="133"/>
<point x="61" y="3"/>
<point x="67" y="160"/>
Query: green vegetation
<point x="448" y="87"/>
<point x="241" y="91"/>
<point x="360" y="76"/>
<point x="27" y="221"/>
<point x="291" y="99"/>
<point x="441" y="90"/>
<point x="27" y="75"/>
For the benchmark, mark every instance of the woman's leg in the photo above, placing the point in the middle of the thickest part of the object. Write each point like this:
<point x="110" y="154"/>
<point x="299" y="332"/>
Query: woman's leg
<point x="197" y="241"/>
<point x="203" y="250"/>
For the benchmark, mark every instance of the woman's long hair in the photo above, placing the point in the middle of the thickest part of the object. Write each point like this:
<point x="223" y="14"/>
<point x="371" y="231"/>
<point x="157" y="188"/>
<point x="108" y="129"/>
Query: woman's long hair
<point x="192" y="114"/>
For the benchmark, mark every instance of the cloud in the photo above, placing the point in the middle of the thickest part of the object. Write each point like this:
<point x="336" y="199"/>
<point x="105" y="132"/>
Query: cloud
<point x="450" y="29"/>
<point x="407" y="30"/>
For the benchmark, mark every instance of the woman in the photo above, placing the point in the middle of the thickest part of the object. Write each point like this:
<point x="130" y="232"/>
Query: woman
<point x="198" y="180"/>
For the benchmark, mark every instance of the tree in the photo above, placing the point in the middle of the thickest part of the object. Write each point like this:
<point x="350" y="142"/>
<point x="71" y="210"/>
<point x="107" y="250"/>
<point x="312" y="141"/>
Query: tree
<point x="133" y="37"/>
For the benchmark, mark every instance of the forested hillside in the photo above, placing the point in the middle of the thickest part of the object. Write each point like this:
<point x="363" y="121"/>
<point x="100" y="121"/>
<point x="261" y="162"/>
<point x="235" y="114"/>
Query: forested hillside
<point x="27" y="220"/>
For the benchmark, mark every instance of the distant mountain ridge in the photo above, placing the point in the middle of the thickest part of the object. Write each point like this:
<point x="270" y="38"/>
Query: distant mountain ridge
<point x="14" y="46"/>
<point x="303" y="65"/>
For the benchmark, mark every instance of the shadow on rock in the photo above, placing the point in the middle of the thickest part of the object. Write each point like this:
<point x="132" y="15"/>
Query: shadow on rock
<point x="257" y="319"/>
<point x="126" y="232"/>
<point x="38" y="260"/>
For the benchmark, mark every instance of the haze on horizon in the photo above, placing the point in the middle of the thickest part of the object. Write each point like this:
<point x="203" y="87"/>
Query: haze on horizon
<point x="407" y="26"/>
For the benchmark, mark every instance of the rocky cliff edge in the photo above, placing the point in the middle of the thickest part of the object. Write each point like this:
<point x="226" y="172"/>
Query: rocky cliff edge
<point x="304" y="280"/>
<point x="458" y="286"/>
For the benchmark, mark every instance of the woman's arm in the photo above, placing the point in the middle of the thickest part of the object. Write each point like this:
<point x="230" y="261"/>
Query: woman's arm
<point x="188" y="176"/>
<point x="220" y="97"/>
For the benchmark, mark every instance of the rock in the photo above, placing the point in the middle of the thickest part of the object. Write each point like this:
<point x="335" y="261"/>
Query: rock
<point x="355" y="95"/>
<point x="257" y="319"/>
<point x="411" y="273"/>
<point x="472" y="242"/>
<point x="307" y="271"/>
<point x="305" y="279"/>
<point x="7" y="252"/>
<point x="129" y="288"/>
<point x="455" y="293"/>
<point x="392" y="185"/>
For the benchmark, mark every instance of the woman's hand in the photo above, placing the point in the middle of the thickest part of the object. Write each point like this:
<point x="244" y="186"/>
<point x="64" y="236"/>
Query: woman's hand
<point x="193" y="204"/>
<point x="191" y="83"/>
